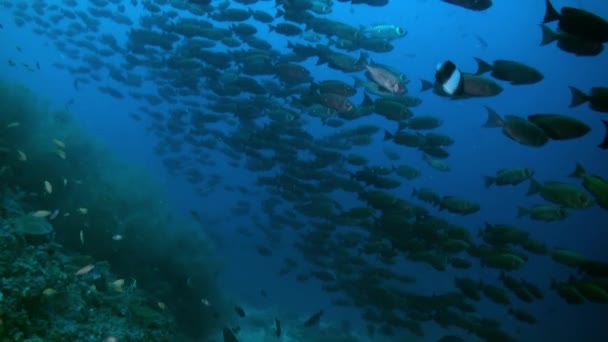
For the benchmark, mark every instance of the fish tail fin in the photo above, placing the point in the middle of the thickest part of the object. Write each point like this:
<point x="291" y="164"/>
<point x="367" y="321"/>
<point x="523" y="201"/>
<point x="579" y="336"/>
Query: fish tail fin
<point x="534" y="187"/>
<point x="578" y="97"/>
<point x="521" y="212"/>
<point x="362" y="61"/>
<point x="387" y="135"/>
<point x="551" y="13"/>
<point x="426" y="85"/>
<point x="279" y="14"/>
<point x="549" y="36"/>
<point x="604" y="144"/>
<point x="358" y="82"/>
<point x="271" y="27"/>
<point x="494" y="120"/>
<point x="489" y="181"/>
<point x="579" y="171"/>
<point x="482" y="66"/>
<point x="367" y="101"/>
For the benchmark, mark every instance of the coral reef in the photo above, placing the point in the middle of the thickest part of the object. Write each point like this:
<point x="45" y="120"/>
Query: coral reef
<point x="66" y="203"/>
<point x="42" y="297"/>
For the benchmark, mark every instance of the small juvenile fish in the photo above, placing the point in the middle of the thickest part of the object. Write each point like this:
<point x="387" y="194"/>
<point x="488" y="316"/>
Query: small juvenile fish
<point x="81" y="237"/>
<point x="277" y="325"/>
<point x="54" y="214"/>
<point x="314" y="319"/>
<point x="239" y="310"/>
<point x="41" y="213"/>
<point x="49" y="292"/>
<point x="22" y="156"/>
<point x="48" y="187"/>
<point x="117" y="285"/>
<point x="13" y="124"/>
<point x="60" y="153"/>
<point x="59" y="143"/>
<point x="117" y="237"/>
<point x="86" y="269"/>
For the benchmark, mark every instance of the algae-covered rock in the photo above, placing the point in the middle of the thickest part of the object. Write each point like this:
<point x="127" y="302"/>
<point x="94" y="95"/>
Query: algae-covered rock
<point x="147" y="315"/>
<point x="35" y="230"/>
<point x="38" y="261"/>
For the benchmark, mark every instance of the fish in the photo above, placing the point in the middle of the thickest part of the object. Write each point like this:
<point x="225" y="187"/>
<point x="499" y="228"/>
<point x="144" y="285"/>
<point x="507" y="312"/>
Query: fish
<point x="604" y="144"/>
<point x="60" y="153"/>
<point x="570" y="43"/>
<point x="543" y="212"/>
<point x="59" y="143"/>
<point x="474" y="5"/>
<point x="117" y="285"/>
<point x="597" y="98"/>
<point x="54" y="214"/>
<point x="384" y="31"/>
<point x="509" y="176"/>
<point x="560" y="127"/>
<point x="514" y="72"/>
<point x="49" y="292"/>
<point x="314" y="319"/>
<point x="457" y="205"/>
<point x="596" y="185"/>
<point x="41" y="213"/>
<point x="229" y="336"/>
<point x="84" y="270"/>
<point x="563" y="194"/>
<point x="385" y="79"/>
<point x="277" y="328"/>
<point x="21" y="156"/>
<point x="578" y="22"/>
<point x="239" y="310"/>
<point x="48" y="187"/>
<point x="517" y="129"/>
<point x="340" y="104"/>
<point x="450" y="81"/>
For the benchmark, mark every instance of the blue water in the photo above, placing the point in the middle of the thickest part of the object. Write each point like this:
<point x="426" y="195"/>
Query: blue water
<point x="436" y="31"/>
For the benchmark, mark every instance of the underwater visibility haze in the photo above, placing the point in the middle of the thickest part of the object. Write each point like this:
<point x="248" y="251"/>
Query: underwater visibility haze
<point x="303" y="170"/>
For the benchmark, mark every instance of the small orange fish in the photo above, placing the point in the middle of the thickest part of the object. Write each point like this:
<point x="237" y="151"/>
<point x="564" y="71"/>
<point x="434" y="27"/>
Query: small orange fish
<point x="85" y="269"/>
